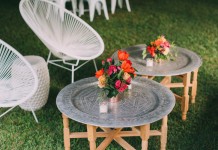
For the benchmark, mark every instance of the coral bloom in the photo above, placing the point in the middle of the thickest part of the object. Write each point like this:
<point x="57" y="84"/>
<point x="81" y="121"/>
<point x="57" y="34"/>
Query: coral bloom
<point x="99" y="73"/>
<point x="102" y="81"/>
<point x="123" y="55"/>
<point x="127" y="66"/>
<point x="160" y="41"/>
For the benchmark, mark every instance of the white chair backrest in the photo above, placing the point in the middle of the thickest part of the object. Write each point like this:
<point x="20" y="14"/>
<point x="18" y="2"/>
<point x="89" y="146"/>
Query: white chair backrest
<point x="18" y="80"/>
<point x="61" y="31"/>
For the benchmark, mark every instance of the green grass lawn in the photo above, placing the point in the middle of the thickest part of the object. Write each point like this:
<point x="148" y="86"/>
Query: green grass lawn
<point x="192" y="24"/>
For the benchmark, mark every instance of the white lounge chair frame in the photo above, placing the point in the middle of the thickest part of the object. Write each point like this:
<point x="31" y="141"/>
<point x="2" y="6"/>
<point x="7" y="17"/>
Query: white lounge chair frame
<point x="18" y="80"/>
<point x="66" y="36"/>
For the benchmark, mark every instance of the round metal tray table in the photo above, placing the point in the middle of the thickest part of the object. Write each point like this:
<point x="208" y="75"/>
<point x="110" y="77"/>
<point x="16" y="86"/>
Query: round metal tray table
<point x="147" y="102"/>
<point x="184" y="66"/>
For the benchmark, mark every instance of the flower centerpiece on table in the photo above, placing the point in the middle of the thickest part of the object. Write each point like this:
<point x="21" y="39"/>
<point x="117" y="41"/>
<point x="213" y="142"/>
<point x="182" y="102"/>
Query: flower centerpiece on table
<point x="158" y="49"/>
<point x="114" y="78"/>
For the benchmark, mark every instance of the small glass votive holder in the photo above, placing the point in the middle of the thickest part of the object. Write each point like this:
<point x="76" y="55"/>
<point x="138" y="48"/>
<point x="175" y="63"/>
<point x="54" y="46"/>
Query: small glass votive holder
<point x="103" y="107"/>
<point x="129" y="86"/>
<point x="149" y="62"/>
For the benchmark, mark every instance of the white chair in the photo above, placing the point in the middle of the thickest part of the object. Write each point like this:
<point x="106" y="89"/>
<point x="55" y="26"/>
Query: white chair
<point x="16" y="86"/>
<point x="66" y="36"/>
<point x="63" y="3"/>
<point x="120" y="3"/>
<point x="94" y="4"/>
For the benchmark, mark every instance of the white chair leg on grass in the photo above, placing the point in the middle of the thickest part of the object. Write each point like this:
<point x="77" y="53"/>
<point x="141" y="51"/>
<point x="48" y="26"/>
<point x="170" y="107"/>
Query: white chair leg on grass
<point x="34" y="115"/>
<point x="98" y="8"/>
<point x="113" y="6"/>
<point x="69" y="39"/>
<point x="18" y="80"/>
<point x="94" y="4"/>
<point x="120" y="3"/>
<point x="74" y="6"/>
<point x="62" y="3"/>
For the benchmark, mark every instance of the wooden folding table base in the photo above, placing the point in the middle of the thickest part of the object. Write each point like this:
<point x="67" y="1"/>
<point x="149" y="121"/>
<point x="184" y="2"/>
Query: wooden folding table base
<point x="185" y="85"/>
<point x="115" y="134"/>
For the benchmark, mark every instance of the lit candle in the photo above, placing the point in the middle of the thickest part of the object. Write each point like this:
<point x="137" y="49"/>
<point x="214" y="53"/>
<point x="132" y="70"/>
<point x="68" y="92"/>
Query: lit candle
<point x="103" y="107"/>
<point x="149" y="62"/>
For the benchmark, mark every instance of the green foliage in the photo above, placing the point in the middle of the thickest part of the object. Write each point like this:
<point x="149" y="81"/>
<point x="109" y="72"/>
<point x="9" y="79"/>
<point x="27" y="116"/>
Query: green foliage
<point x="192" y="24"/>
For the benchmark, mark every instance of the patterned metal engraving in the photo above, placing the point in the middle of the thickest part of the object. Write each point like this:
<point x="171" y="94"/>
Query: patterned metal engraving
<point x="186" y="61"/>
<point x="146" y="102"/>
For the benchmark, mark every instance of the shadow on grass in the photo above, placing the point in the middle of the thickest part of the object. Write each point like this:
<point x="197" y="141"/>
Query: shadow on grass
<point x="200" y="130"/>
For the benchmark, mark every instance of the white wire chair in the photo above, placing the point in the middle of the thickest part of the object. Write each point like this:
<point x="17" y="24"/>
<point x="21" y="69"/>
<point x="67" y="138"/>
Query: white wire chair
<point x="18" y="80"/>
<point x="66" y="36"/>
<point x="120" y="3"/>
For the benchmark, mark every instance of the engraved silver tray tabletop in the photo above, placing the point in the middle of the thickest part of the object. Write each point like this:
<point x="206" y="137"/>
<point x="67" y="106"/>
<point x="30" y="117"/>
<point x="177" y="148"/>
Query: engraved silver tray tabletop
<point x="147" y="102"/>
<point x="185" y="62"/>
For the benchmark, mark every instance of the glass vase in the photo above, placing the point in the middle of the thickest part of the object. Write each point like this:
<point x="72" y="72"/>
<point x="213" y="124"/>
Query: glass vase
<point x="114" y="99"/>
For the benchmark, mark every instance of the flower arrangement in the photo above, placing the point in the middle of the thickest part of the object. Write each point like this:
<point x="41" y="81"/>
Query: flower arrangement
<point x="115" y="78"/>
<point x="158" y="49"/>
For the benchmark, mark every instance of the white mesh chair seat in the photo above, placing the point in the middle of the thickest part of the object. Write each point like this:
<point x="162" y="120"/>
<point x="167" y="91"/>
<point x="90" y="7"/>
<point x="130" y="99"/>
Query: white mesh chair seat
<point x="62" y="32"/>
<point x="11" y="96"/>
<point x="15" y="86"/>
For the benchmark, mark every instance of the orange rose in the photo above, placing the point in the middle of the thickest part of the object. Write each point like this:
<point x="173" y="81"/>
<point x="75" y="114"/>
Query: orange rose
<point x="99" y="73"/>
<point x="122" y="55"/>
<point x="158" y="42"/>
<point x="127" y="66"/>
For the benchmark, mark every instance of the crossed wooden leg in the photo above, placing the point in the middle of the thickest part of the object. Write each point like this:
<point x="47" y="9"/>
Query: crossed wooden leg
<point x="115" y="134"/>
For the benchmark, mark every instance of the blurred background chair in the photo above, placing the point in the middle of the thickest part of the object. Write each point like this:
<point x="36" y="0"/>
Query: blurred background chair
<point x="94" y="5"/>
<point x="66" y="36"/>
<point x="63" y="4"/>
<point x="120" y="3"/>
<point x="18" y="80"/>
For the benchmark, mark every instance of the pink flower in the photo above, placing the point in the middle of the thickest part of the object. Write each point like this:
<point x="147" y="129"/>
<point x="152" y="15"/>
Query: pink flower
<point x="165" y="44"/>
<point x="166" y="51"/>
<point x="109" y="60"/>
<point x="103" y="62"/>
<point x="117" y="84"/>
<point x="122" y="87"/>
<point x="128" y="81"/>
<point x="112" y="69"/>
